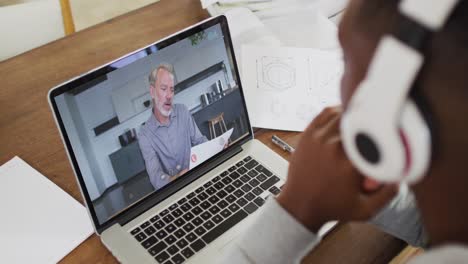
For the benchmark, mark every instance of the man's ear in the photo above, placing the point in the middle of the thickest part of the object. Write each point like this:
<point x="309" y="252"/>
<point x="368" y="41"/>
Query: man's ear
<point x="152" y="91"/>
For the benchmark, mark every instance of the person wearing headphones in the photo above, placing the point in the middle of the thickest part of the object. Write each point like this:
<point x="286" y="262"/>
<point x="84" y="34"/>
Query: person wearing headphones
<point x="403" y="122"/>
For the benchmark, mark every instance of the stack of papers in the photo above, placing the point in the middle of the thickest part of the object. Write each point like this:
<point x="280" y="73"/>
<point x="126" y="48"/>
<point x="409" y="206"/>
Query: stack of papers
<point x="275" y="8"/>
<point x="246" y="28"/>
<point x="290" y="65"/>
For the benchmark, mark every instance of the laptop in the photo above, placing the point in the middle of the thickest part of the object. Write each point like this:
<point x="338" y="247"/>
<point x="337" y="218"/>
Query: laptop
<point x="131" y="128"/>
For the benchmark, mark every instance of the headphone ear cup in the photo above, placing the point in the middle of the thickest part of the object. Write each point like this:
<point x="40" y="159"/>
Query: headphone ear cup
<point x="416" y="137"/>
<point x="388" y="151"/>
<point x="373" y="146"/>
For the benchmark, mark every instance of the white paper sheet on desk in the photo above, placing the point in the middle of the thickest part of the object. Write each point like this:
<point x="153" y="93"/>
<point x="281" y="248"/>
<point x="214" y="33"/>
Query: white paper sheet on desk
<point x="285" y="88"/>
<point x="206" y="3"/>
<point x="40" y="223"/>
<point x="202" y="152"/>
<point x="304" y="29"/>
<point x="246" y="28"/>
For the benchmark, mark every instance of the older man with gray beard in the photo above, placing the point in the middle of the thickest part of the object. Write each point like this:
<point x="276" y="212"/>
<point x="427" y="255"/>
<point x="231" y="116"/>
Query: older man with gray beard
<point x="166" y="138"/>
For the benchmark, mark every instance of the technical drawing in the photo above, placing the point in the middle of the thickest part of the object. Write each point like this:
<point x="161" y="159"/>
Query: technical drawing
<point x="278" y="108"/>
<point x="322" y="74"/>
<point x="306" y="112"/>
<point x="275" y="73"/>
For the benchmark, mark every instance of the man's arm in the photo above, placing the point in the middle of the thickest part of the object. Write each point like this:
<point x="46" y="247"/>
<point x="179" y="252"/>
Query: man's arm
<point x="157" y="176"/>
<point x="196" y="137"/>
<point x="277" y="237"/>
<point x="274" y="237"/>
<point x="322" y="185"/>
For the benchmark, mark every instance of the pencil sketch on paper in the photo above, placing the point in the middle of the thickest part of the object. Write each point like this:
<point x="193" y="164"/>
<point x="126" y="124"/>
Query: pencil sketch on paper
<point x="278" y="108"/>
<point x="322" y="73"/>
<point x="306" y="112"/>
<point x="276" y="73"/>
<point x="287" y="87"/>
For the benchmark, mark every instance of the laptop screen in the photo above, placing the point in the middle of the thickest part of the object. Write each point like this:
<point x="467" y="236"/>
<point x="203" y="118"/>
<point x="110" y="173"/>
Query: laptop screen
<point x="139" y="124"/>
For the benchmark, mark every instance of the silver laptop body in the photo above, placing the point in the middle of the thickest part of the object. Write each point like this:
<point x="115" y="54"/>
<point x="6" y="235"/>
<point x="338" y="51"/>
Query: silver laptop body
<point x="194" y="218"/>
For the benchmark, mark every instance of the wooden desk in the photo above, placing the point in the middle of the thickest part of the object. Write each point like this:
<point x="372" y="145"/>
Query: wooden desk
<point x="27" y="128"/>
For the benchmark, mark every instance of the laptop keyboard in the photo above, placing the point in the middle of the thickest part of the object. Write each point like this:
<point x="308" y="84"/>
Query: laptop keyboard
<point x="188" y="225"/>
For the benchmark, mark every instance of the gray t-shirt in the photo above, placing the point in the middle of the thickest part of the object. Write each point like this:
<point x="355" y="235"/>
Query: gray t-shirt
<point x="166" y="147"/>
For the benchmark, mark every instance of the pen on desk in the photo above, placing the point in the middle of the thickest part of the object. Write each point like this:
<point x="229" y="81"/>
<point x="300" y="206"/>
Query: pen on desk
<point x="282" y="144"/>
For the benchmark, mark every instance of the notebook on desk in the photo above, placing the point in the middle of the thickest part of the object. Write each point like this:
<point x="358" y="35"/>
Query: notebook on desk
<point x="162" y="96"/>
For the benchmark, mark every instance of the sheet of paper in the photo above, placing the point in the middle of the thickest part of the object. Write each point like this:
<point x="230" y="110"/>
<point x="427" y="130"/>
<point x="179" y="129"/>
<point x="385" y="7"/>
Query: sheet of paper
<point x="331" y="8"/>
<point x="202" y="152"/>
<point x="285" y="88"/>
<point x="207" y="3"/>
<point x="242" y="1"/>
<point x="305" y="28"/>
<point x="40" y="222"/>
<point x="246" y="28"/>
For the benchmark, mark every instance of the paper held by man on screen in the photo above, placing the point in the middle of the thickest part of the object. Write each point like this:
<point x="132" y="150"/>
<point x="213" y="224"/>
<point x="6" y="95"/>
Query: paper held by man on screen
<point x="285" y="88"/>
<point x="202" y="152"/>
<point x="40" y="222"/>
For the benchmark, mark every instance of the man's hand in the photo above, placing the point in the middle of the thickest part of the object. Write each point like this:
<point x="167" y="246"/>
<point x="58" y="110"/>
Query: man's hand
<point x="182" y="172"/>
<point x="322" y="184"/>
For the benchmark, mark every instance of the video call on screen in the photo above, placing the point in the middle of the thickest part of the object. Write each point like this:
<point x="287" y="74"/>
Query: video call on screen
<point x="132" y="136"/>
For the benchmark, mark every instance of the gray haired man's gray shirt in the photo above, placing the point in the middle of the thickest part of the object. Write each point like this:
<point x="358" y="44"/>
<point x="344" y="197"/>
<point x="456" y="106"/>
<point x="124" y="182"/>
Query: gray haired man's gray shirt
<point x="166" y="147"/>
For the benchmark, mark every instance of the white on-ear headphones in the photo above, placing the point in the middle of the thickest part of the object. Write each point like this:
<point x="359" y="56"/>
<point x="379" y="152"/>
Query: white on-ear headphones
<point x="395" y="146"/>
